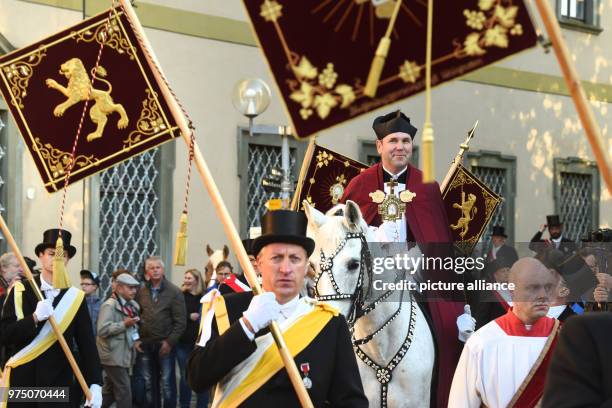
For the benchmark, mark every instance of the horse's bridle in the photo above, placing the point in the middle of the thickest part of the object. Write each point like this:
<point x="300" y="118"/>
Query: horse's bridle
<point x="356" y="298"/>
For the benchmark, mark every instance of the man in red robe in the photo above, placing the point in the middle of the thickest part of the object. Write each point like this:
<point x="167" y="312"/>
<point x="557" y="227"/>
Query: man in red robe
<point x="424" y="222"/>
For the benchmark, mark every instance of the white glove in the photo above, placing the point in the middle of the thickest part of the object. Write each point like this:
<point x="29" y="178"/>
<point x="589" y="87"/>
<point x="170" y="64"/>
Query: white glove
<point x="466" y="324"/>
<point x="96" y="396"/>
<point x="44" y="309"/>
<point x="263" y="309"/>
<point x="387" y="232"/>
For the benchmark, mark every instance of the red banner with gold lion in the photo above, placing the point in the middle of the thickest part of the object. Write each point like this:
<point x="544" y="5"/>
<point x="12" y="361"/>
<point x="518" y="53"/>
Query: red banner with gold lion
<point x="47" y="83"/>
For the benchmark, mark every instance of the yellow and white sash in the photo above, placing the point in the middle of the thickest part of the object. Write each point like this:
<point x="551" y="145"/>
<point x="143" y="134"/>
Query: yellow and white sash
<point x="299" y="330"/>
<point x="64" y="314"/>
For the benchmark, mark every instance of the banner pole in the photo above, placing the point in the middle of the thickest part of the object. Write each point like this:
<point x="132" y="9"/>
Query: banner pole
<point x="217" y="200"/>
<point x="572" y="80"/>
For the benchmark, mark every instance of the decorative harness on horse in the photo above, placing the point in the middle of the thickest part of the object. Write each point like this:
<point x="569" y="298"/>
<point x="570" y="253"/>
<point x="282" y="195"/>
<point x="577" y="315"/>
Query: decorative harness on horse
<point x="357" y="299"/>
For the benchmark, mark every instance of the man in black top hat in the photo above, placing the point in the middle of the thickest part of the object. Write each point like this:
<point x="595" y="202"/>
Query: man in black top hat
<point x="499" y="247"/>
<point x="556" y="240"/>
<point x="236" y="348"/>
<point x="24" y="317"/>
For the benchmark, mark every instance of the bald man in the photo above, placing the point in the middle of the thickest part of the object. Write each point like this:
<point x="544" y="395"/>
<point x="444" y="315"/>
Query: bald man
<point x="504" y="363"/>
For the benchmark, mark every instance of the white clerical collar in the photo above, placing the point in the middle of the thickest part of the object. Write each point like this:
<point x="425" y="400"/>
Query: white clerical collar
<point x="395" y="176"/>
<point x="288" y="308"/>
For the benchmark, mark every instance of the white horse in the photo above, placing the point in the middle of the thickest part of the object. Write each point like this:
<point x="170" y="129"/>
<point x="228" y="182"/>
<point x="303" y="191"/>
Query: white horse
<point x="391" y="337"/>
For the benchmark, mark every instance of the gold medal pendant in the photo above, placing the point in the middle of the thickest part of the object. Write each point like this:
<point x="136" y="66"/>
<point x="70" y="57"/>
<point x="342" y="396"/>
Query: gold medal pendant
<point x="390" y="207"/>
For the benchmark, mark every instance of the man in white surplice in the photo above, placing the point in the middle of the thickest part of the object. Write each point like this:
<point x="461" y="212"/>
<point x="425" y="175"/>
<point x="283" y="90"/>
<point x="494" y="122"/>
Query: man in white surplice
<point x="496" y="368"/>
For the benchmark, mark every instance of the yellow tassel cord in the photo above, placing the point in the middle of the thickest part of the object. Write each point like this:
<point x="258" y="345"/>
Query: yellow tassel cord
<point x="60" y="277"/>
<point x="378" y="63"/>
<point x="180" y="253"/>
<point x="428" y="134"/>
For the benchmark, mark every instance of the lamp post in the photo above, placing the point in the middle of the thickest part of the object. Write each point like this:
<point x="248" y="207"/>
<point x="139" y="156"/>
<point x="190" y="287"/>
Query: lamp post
<point x="251" y="97"/>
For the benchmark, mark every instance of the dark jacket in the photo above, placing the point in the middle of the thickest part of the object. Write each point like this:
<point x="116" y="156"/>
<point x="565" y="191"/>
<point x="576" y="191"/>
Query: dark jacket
<point x="164" y="318"/>
<point x="51" y="369"/>
<point x="580" y="372"/>
<point x="192" y="305"/>
<point x="333" y="368"/>
<point x="537" y="244"/>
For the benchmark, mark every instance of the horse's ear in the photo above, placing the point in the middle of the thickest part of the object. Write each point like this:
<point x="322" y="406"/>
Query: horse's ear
<point x="225" y="252"/>
<point x="315" y="217"/>
<point x="352" y="216"/>
<point x="209" y="250"/>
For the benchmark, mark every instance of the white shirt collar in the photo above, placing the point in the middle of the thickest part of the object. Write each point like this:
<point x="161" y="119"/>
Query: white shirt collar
<point x="395" y="176"/>
<point x="288" y="308"/>
<point x="49" y="290"/>
<point x="557" y="240"/>
<point x="44" y="285"/>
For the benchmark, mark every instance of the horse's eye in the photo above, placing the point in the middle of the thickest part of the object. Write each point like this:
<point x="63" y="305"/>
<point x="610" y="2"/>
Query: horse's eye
<point x="353" y="264"/>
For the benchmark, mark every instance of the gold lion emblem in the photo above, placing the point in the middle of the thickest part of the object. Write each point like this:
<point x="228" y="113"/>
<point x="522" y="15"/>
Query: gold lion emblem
<point x="467" y="211"/>
<point x="77" y="91"/>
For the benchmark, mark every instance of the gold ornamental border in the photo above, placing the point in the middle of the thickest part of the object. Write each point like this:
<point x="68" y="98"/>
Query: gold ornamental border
<point x="492" y="201"/>
<point x="124" y="44"/>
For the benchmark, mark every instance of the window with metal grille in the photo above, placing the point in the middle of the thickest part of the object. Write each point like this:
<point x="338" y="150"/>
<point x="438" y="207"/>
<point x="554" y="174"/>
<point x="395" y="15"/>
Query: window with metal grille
<point x="577" y="196"/>
<point x="498" y="172"/>
<point x="258" y="154"/>
<point x="369" y="155"/>
<point x="129" y="214"/>
<point x="579" y="14"/>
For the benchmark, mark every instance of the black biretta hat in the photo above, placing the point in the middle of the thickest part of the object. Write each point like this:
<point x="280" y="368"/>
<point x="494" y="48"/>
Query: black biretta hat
<point x="50" y="238"/>
<point x="392" y="123"/>
<point x="283" y="226"/>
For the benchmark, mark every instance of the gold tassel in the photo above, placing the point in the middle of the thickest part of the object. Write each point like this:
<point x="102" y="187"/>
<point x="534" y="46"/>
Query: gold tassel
<point x="180" y="253"/>
<point x="378" y="63"/>
<point x="60" y="277"/>
<point x="428" y="154"/>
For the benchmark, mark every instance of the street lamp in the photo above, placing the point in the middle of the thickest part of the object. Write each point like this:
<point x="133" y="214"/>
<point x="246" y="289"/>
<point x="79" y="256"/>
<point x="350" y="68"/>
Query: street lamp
<point x="251" y="97"/>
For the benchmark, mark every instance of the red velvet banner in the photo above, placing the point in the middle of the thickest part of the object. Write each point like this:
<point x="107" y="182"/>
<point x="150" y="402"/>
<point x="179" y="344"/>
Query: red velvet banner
<point x="46" y="84"/>
<point x="320" y="51"/>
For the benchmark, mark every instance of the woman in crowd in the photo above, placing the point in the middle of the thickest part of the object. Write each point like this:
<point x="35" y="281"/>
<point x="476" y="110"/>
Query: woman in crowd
<point x="193" y="289"/>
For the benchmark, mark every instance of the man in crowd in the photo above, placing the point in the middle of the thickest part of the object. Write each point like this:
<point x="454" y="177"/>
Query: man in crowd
<point x="24" y="317"/>
<point x="233" y="344"/>
<point x="424" y="221"/>
<point x="498" y="245"/>
<point x="90" y="282"/>
<point x="556" y="238"/>
<point x="117" y="333"/>
<point x="163" y="317"/>
<point x="513" y="349"/>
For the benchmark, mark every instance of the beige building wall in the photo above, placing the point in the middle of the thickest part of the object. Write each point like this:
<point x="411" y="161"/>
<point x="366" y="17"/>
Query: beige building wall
<point x="536" y="127"/>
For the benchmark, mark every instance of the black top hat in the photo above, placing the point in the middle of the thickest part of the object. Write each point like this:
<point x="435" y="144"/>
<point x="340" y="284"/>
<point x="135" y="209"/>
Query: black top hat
<point x="499" y="230"/>
<point x="90" y="275"/>
<point x="391" y="123"/>
<point x="553" y="221"/>
<point x="283" y="226"/>
<point x="50" y="238"/>
<point x="248" y="246"/>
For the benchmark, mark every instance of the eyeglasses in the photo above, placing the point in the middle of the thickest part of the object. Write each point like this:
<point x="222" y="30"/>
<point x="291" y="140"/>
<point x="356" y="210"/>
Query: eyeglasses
<point x="87" y="284"/>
